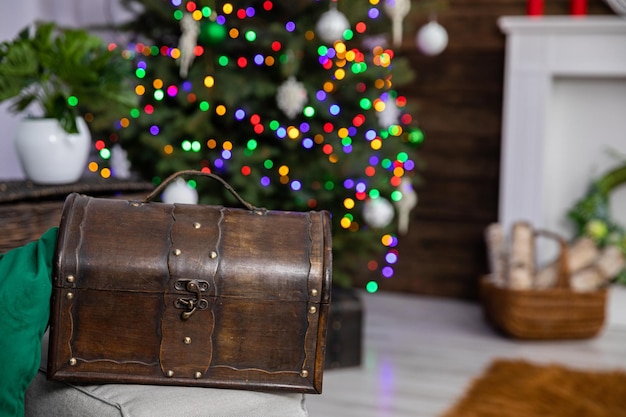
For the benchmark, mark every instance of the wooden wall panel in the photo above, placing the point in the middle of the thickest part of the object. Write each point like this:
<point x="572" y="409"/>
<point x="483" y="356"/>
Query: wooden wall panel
<point x="458" y="100"/>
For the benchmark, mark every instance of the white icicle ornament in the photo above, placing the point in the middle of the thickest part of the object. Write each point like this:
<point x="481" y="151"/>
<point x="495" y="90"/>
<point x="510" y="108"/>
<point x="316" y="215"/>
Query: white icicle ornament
<point x="397" y="10"/>
<point x="120" y="165"/>
<point x="291" y="97"/>
<point x="187" y="43"/>
<point x="406" y="204"/>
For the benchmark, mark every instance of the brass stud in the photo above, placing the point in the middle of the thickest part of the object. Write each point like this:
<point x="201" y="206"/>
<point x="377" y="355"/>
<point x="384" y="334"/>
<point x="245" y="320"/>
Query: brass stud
<point x="72" y="361"/>
<point x="135" y="204"/>
<point x="304" y="373"/>
<point x="177" y="252"/>
<point x="314" y="292"/>
<point x="312" y="309"/>
<point x="213" y="254"/>
<point x="69" y="295"/>
<point x="197" y="225"/>
<point x="169" y="374"/>
<point x="187" y="340"/>
<point x="70" y="278"/>
<point x="197" y="375"/>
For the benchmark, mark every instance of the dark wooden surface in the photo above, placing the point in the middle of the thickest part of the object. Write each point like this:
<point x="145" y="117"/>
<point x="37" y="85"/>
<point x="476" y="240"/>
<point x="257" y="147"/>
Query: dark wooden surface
<point x="458" y="99"/>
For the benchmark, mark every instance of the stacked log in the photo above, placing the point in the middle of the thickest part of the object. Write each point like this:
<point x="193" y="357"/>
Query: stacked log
<point x="513" y="262"/>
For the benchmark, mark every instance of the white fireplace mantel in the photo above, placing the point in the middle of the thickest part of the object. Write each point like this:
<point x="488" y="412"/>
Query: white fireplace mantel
<point x="548" y="59"/>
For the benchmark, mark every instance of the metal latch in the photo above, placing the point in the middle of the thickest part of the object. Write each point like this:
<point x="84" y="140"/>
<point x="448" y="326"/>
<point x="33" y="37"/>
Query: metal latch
<point x="196" y="302"/>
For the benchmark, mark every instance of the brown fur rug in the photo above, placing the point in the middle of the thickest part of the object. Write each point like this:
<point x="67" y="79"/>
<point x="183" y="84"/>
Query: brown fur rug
<point x="512" y="388"/>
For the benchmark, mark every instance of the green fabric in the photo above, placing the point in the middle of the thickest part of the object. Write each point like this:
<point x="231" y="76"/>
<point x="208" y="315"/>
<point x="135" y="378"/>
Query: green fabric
<point x="25" y="289"/>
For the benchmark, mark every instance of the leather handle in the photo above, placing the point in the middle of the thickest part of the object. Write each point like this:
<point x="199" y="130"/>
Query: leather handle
<point x="172" y="177"/>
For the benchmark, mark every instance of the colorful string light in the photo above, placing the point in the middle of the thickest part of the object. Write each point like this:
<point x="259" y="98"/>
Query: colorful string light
<point x="334" y="140"/>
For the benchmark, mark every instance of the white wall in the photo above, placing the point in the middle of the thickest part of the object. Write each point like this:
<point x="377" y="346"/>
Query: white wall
<point x="586" y="124"/>
<point x="14" y="16"/>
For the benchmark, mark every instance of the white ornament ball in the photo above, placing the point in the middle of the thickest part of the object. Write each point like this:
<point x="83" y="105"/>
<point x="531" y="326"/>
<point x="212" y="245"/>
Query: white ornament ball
<point x="331" y="26"/>
<point x="432" y="38"/>
<point x="390" y="114"/>
<point x="179" y="192"/>
<point x="378" y="212"/>
<point x="291" y="97"/>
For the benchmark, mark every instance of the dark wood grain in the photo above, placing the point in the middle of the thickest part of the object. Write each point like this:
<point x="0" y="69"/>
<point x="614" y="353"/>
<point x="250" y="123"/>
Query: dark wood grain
<point x="180" y="294"/>
<point x="458" y="101"/>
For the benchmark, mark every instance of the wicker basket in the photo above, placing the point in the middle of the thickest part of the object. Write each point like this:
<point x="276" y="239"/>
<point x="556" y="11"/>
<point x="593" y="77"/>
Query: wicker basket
<point x="546" y="314"/>
<point x="25" y="222"/>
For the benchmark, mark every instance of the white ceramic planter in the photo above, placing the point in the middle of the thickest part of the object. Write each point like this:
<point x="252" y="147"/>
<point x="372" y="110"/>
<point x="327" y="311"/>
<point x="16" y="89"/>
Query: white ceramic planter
<point x="50" y="155"/>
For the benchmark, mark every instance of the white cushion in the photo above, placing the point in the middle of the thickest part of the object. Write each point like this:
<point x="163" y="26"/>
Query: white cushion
<point x="51" y="398"/>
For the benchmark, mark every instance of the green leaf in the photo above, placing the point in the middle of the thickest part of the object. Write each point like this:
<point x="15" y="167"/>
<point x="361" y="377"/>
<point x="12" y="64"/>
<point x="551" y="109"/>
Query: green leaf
<point x="46" y="64"/>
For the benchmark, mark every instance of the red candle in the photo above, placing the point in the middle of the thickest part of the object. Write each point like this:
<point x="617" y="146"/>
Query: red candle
<point x="578" y="7"/>
<point x="535" y="7"/>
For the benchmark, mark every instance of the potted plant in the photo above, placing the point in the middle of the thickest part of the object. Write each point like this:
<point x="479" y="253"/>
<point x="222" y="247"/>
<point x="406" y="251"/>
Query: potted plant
<point x="592" y="217"/>
<point x="62" y="73"/>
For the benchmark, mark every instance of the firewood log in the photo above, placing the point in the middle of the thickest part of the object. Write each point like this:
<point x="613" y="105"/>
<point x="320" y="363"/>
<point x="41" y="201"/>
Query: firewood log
<point x="581" y="253"/>
<point x="521" y="263"/>
<point x="496" y="252"/>
<point x="597" y="275"/>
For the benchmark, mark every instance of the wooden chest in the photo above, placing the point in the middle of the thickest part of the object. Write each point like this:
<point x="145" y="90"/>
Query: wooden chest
<point x="180" y="294"/>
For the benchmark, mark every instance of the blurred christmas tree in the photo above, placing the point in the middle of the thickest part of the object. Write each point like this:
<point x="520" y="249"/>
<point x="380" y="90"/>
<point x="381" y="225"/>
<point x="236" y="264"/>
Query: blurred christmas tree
<point x="289" y="101"/>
